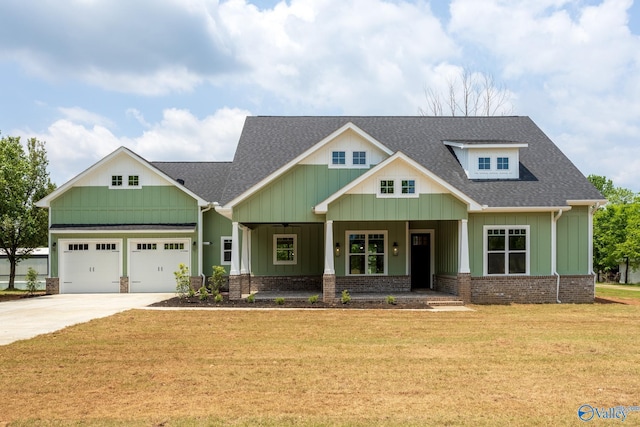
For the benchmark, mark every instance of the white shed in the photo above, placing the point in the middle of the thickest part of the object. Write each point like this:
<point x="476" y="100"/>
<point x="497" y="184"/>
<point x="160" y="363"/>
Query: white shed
<point x="39" y="261"/>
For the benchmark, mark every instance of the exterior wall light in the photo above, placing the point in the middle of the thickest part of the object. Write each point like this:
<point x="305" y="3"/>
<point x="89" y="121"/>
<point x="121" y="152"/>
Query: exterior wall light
<point x="395" y="249"/>
<point x="338" y="251"/>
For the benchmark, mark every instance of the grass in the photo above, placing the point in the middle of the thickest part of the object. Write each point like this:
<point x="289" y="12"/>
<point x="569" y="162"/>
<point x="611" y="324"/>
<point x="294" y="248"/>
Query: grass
<point x="622" y="292"/>
<point x="499" y="365"/>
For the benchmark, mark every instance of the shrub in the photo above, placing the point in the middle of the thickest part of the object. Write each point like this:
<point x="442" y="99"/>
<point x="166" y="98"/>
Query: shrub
<point x="314" y="299"/>
<point x="203" y="293"/>
<point x="391" y="300"/>
<point x="183" y="284"/>
<point x="346" y="297"/>
<point x="217" y="279"/>
<point x="218" y="298"/>
<point x="251" y="298"/>
<point x="279" y="301"/>
<point x="32" y="281"/>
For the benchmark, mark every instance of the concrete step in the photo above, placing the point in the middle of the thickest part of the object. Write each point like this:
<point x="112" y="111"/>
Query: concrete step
<point x="442" y="302"/>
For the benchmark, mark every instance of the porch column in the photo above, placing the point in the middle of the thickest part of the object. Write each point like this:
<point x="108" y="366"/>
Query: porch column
<point x="463" y="240"/>
<point x="235" y="284"/>
<point x="245" y="268"/>
<point x="329" y="276"/>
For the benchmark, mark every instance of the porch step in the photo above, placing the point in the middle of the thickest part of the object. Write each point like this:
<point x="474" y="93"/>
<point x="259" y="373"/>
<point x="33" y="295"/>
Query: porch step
<point x="445" y="302"/>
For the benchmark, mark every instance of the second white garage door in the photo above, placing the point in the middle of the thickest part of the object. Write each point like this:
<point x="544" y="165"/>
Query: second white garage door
<point x="153" y="261"/>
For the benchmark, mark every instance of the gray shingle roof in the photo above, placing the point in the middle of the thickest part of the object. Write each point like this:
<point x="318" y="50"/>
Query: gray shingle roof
<point x="549" y="178"/>
<point x="206" y="179"/>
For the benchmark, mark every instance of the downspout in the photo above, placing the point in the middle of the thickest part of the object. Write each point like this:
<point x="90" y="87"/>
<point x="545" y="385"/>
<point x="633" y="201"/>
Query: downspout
<point x="200" y="244"/>
<point x="554" y="252"/>
<point x="592" y="210"/>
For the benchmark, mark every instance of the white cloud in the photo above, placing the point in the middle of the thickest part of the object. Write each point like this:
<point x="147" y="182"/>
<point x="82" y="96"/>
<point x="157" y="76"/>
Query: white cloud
<point x="179" y="136"/>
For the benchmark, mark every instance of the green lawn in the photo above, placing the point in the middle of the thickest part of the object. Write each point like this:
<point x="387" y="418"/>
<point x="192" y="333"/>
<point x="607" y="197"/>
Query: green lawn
<point x="496" y="366"/>
<point x="631" y="292"/>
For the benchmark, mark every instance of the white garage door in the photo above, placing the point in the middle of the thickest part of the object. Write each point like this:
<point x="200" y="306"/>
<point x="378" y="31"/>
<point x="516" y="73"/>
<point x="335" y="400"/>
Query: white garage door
<point x="89" y="266"/>
<point x="153" y="261"/>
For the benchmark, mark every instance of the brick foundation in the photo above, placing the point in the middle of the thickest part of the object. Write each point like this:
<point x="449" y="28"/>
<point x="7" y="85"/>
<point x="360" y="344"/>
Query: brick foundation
<point x="513" y="289"/>
<point x="195" y="282"/>
<point x="235" y="288"/>
<point x="124" y="285"/>
<point x="446" y="284"/>
<point x="52" y="285"/>
<point x="245" y="283"/>
<point x="286" y="283"/>
<point x="464" y="287"/>
<point x="328" y="288"/>
<point x="355" y="284"/>
<point x="577" y="289"/>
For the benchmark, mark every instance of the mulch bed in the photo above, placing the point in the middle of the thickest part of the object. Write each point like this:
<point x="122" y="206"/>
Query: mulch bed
<point x="194" y="302"/>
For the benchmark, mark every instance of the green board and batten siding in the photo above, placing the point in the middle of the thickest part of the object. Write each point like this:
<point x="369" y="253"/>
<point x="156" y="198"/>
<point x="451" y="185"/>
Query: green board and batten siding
<point x="291" y="197"/>
<point x="572" y="244"/>
<point x="101" y="205"/>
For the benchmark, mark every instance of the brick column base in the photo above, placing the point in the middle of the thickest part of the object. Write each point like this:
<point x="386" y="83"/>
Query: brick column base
<point x="195" y="282"/>
<point x="464" y="287"/>
<point x="328" y="288"/>
<point x="124" y="285"/>
<point x="245" y="283"/>
<point x="235" y="287"/>
<point x="52" y="285"/>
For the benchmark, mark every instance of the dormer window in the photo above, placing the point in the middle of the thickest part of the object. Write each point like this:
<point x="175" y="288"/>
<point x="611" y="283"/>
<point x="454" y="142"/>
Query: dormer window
<point x="359" y="157"/>
<point x="488" y="159"/>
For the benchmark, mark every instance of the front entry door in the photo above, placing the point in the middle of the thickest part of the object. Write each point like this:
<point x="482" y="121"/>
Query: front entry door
<point x="420" y="261"/>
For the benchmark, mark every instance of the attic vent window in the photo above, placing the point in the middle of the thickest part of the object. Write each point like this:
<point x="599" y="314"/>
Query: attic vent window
<point x="134" y="181"/>
<point x="116" y="180"/>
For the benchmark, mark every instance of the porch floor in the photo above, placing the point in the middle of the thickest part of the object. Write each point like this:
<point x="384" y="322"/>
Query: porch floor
<point x="428" y="296"/>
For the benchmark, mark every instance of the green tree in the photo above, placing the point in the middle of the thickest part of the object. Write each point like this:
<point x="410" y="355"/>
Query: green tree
<point x="24" y="180"/>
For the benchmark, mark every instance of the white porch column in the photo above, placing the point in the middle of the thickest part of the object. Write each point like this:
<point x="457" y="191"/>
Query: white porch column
<point x="463" y="247"/>
<point x="328" y="248"/>
<point x="235" y="251"/>
<point x="244" y="267"/>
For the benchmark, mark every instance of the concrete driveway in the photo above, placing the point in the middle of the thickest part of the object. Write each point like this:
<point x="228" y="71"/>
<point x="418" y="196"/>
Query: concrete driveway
<point x="28" y="317"/>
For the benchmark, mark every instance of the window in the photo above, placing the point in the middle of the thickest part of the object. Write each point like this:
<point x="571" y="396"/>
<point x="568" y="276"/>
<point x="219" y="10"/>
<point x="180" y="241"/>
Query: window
<point x="147" y="246"/>
<point x="386" y="186"/>
<point x="367" y="254"/>
<point x="359" y="157"/>
<point x="105" y="246"/>
<point x="338" y="158"/>
<point x="134" y="181"/>
<point x="484" y="163"/>
<point x="503" y="163"/>
<point x="116" y="180"/>
<point x="78" y="246"/>
<point x="284" y="249"/>
<point x="408" y="186"/>
<point x="225" y="251"/>
<point x="173" y="246"/>
<point x="507" y="250"/>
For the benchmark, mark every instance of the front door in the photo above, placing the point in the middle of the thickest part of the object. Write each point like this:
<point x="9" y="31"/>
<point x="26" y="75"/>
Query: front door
<point x="420" y="260"/>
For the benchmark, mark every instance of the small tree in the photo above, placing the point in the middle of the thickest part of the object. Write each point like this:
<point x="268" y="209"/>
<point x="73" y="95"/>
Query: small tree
<point x="217" y="279"/>
<point x="23" y="181"/>
<point x="183" y="281"/>
<point x="32" y="281"/>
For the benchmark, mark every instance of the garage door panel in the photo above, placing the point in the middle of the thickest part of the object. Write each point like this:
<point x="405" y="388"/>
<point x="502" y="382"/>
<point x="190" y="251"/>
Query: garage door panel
<point x="90" y="266"/>
<point x="153" y="261"/>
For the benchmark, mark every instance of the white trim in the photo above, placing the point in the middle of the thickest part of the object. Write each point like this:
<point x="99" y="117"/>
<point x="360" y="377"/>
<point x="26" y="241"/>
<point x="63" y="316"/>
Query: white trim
<point x="506" y="209"/>
<point x="485" y="258"/>
<point x="136" y="231"/>
<point x="275" y="249"/>
<point x="347" y="251"/>
<point x="323" y="207"/>
<point x="266" y="181"/>
<point x="46" y="201"/>
<point x="482" y="145"/>
<point x="329" y="264"/>
<point x="587" y="202"/>
<point x="222" y="250"/>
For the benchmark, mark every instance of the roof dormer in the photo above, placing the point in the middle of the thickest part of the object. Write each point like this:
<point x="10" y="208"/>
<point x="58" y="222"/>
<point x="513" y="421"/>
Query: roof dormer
<point x="488" y="159"/>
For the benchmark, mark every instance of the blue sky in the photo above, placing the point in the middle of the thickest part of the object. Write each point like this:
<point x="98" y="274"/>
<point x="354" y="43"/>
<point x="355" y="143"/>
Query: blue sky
<point x="174" y="79"/>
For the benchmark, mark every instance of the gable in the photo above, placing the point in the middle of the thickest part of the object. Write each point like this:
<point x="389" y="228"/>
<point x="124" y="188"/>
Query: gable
<point x="353" y="146"/>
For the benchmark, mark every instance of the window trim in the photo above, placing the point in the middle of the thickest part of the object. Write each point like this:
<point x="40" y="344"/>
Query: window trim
<point x="137" y="178"/>
<point x="223" y="250"/>
<point x="500" y="163"/>
<point x="485" y="249"/>
<point x="333" y="158"/>
<point x="347" y="258"/>
<point x="294" y="261"/>
<point x="114" y="178"/>
<point x="397" y="188"/>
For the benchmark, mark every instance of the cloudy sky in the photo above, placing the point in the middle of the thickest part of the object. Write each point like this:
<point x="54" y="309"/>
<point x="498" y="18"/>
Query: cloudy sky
<point x="174" y="79"/>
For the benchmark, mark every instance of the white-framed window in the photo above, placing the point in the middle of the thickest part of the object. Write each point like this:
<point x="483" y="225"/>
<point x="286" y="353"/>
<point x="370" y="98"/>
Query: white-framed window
<point x="502" y="163"/>
<point x="134" y="181"/>
<point x="225" y="250"/>
<point x="338" y="158"/>
<point x="506" y="250"/>
<point x="285" y="249"/>
<point x="408" y="186"/>
<point x="116" y="180"/>
<point x="484" y="163"/>
<point x="387" y="186"/>
<point x="359" y="158"/>
<point x="366" y="253"/>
